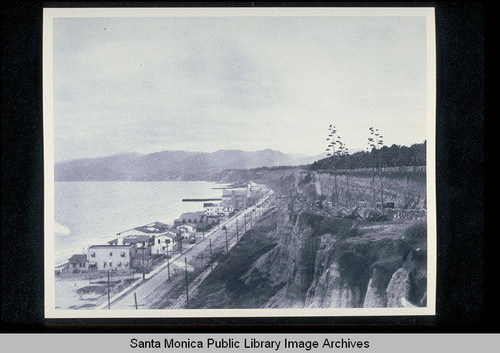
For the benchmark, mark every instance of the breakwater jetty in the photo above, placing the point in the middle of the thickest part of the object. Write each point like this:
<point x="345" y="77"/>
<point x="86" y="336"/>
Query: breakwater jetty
<point x="200" y="200"/>
<point x="232" y="186"/>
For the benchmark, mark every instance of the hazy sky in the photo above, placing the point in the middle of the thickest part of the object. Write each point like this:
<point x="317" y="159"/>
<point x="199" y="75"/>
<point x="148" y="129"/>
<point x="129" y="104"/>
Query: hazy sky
<point x="204" y="84"/>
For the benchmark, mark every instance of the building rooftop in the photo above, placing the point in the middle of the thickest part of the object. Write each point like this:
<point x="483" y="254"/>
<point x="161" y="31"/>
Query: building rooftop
<point x="155" y="227"/>
<point x="150" y="228"/>
<point x="159" y="225"/>
<point x="185" y="225"/>
<point x="110" y="246"/>
<point x="133" y="239"/>
<point x="192" y="214"/>
<point x="133" y="230"/>
<point x="78" y="258"/>
<point x="167" y="234"/>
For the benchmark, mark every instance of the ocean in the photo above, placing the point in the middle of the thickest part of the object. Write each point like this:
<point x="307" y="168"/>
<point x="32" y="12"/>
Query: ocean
<point x="88" y="213"/>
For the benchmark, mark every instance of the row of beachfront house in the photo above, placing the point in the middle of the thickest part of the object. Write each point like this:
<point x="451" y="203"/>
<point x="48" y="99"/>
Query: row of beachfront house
<point x="134" y="248"/>
<point x="143" y="246"/>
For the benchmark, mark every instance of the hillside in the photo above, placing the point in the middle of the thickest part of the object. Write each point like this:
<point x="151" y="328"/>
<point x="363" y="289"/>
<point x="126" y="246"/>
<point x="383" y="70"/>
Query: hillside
<point x="169" y="165"/>
<point x="299" y="255"/>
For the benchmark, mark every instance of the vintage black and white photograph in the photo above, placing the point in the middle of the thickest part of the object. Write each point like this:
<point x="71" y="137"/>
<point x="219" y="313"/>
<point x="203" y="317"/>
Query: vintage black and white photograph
<point x="239" y="162"/>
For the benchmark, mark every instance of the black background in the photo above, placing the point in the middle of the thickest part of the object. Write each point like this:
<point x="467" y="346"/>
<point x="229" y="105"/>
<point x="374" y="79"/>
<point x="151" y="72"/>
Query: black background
<point x="466" y="143"/>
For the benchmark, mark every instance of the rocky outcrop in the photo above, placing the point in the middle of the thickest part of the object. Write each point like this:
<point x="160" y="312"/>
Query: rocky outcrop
<point x="375" y="297"/>
<point x="398" y="288"/>
<point x="331" y="292"/>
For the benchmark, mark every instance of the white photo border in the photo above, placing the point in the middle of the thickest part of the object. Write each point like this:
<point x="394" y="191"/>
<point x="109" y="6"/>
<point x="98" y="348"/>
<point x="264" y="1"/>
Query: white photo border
<point x="49" y="14"/>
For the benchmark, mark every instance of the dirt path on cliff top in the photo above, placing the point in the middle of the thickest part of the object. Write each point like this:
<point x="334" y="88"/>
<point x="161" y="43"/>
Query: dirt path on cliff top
<point x="374" y="231"/>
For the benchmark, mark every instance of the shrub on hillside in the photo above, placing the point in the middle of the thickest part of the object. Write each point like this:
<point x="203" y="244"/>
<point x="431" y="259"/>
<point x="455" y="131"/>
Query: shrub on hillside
<point x="417" y="230"/>
<point x="307" y="179"/>
<point x="385" y="269"/>
<point x="354" y="269"/>
<point x="320" y="224"/>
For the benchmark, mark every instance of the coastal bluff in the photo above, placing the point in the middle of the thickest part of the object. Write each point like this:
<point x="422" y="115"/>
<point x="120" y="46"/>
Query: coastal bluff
<point x="300" y="256"/>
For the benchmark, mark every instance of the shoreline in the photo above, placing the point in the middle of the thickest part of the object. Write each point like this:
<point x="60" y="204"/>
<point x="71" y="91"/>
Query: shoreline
<point x="89" y="226"/>
<point x="66" y="264"/>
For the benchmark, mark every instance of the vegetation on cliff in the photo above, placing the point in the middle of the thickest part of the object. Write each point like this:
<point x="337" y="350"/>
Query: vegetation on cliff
<point x="393" y="156"/>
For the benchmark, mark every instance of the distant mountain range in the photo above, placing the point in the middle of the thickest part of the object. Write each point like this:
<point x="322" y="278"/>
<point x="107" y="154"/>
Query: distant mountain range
<point x="172" y="165"/>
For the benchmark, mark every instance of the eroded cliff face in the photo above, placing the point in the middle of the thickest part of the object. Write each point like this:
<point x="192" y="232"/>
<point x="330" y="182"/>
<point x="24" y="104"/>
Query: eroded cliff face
<point x="331" y="262"/>
<point x="298" y="256"/>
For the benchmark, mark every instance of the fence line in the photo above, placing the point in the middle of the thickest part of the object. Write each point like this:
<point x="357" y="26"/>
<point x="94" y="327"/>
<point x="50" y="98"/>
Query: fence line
<point x="384" y="169"/>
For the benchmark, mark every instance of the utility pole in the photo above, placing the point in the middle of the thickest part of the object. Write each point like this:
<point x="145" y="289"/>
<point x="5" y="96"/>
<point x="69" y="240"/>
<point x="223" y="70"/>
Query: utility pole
<point x="143" y="270"/>
<point x="373" y="186"/>
<point x="245" y="222"/>
<point x="187" y="287"/>
<point x="227" y="241"/>
<point x="211" y="258"/>
<point x="135" y="305"/>
<point x="168" y="267"/>
<point x="381" y="188"/>
<point x="345" y="152"/>
<point x="348" y="191"/>
<point x="237" y="230"/>
<point x="336" y="192"/>
<point x="179" y="240"/>
<point x="227" y="245"/>
<point x="109" y="302"/>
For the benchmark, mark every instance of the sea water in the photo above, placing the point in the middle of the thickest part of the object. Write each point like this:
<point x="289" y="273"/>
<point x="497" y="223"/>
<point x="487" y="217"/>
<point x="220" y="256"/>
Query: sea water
<point x="88" y="213"/>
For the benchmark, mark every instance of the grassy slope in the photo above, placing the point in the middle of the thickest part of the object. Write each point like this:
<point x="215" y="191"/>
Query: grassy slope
<point x="224" y="287"/>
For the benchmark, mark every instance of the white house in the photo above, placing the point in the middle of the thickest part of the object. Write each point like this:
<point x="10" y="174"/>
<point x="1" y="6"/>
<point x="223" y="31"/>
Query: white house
<point x="214" y="210"/>
<point x="111" y="257"/>
<point x="164" y="243"/>
<point x="228" y="209"/>
<point x="186" y="230"/>
<point x="141" y="236"/>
